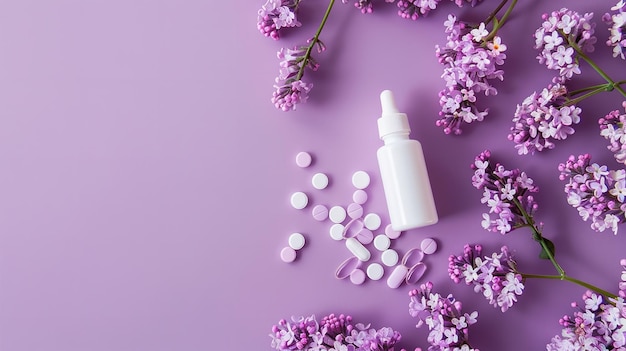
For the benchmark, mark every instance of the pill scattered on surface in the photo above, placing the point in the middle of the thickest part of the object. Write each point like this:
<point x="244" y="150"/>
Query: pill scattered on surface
<point x="365" y="236"/>
<point x="347" y="267"/>
<point x="336" y="231"/>
<point x="372" y="221"/>
<point x="357" y="249"/>
<point x="389" y="257"/>
<point x="397" y="276"/>
<point x="337" y="214"/>
<point x="392" y="233"/>
<point x="299" y="200"/>
<point x="415" y="273"/>
<point x="360" y="179"/>
<point x="296" y="241"/>
<point x="303" y="159"/>
<point x="375" y="271"/>
<point x="354" y="210"/>
<point x="382" y="242"/>
<point x="357" y="276"/>
<point x="288" y="254"/>
<point x="319" y="181"/>
<point x="359" y="196"/>
<point x="320" y="213"/>
<point x="352" y="228"/>
<point x="428" y="246"/>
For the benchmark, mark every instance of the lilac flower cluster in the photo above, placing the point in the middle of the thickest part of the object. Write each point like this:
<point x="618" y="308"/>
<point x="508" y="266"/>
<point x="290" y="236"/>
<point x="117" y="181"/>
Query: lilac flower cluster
<point x="617" y="26"/>
<point x="290" y="89"/>
<point x="332" y="333"/>
<point x="562" y="35"/>
<point x="543" y="117"/>
<point x="598" y="325"/>
<point x="365" y="6"/>
<point x="447" y="324"/>
<point x="597" y="193"/>
<point x="613" y="129"/>
<point x="494" y="276"/>
<point x="506" y="193"/>
<point x="277" y="14"/>
<point x="471" y="58"/>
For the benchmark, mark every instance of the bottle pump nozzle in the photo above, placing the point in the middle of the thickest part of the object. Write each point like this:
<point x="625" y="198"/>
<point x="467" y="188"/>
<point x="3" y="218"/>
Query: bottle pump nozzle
<point x="392" y="121"/>
<point x="388" y="103"/>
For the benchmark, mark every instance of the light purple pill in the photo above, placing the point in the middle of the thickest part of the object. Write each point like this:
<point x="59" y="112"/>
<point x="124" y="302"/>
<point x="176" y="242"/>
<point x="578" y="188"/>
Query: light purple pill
<point x="359" y="196"/>
<point x="352" y="228"/>
<point x="391" y="233"/>
<point x="415" y="273"/>
<point x="397" y="276"/>
<point x="303" y="159"/>
<point x="347" y="267"/>
<point x="287" y="254"/>
<point x="320" y="213"/>
<point x="357" y="276"/>
<point x="429" y="246"/>
<point x="365" y="236"/>
<point x="355" y="210"/>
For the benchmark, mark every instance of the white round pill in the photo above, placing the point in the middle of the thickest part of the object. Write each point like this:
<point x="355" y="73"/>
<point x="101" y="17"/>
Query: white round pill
<point x="375" y="271"/>
<point x="382" y="242"/>
<point x="296" y="241"/>
<point x="372" y="221"/>
<point x="360" y="179"/>
<point x="389" y="257"/>
<point x="337" y="214"/>
<point x="428" y="246"/>
<point x="299" y="200"/>
<point x="336" y="231"/>
<point x="303" y="159"/>
<point x="319" y="181"/>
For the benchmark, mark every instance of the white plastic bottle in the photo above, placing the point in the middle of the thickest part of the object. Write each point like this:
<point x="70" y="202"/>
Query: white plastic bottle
<point x="403" y="171"/>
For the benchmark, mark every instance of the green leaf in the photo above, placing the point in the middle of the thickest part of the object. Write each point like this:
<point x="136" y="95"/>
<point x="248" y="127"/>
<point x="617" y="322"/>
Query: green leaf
<point x="550" y="246"/>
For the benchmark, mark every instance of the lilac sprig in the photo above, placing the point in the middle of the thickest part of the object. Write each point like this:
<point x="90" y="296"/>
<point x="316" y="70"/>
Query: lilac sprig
<point x="472" y="58"/>
<point x="332" y="333"/>
<point x="495" y="276"/>
<point x="598" y="324"/>
<point x="448" y="325"/>
<point x="613" y="129"/>
<point x="616" y="20"/>
<point x="597" y="193"/>
<point x="277" y="14"/>
<point x="365" y="6"/>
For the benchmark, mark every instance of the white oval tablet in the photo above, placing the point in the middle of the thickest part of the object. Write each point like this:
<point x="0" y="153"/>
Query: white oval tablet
<point x="337" y="214"/>
<point x="382" y="242"/>
<point x="372" y="221"/>
<point x="299" y="200"/>
<point x="357" y="249"/>
<point x="296" y="241"/>
<point x="336" y="231"/>
<point x="319" y="181"/>
<point x="360" y="179"/>
<point x="389" y="257"/>
<point x="397" y="276"/>
<point x="375" y="271"/>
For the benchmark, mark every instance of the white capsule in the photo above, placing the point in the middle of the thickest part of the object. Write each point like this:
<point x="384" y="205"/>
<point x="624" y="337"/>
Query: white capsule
<point x="358" y="250"/>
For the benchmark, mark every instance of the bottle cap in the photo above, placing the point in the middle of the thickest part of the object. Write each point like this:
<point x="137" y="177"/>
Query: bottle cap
<point x="391" y="121"/>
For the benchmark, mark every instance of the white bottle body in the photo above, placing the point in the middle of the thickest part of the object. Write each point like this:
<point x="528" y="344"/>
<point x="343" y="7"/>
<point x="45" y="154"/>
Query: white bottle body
<point x="406" y="184"/>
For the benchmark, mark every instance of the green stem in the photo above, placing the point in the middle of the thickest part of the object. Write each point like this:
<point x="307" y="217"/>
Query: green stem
<point x="604" y="86"/>
<point x="578" y="99"/>
<point x="501" y="22"/>
<point x="314" y="40"/>
<point x="493" y="13"/>
<point x="572" y="280"/>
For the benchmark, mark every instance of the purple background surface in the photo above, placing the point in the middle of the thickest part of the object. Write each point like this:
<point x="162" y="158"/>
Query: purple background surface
<point x="146" y="175"/>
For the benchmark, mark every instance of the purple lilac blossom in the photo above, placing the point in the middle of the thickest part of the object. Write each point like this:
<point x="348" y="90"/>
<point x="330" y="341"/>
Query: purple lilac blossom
<point x="505" y="192"/>
<point x="470" y="63"/>
<point x="448" y="326"/>
<point x="597" y="193"/>
<point x="365" y="6"/>
<point x="290" y="89"/>
<point x="543" y="117"/>
<point x="560" y="31"/>
<point x="495" y="276"/>
<point x="277" y="14"/>
<point x="613" y="129"/>
<point x="616" y="20"/>
<point x="598" y="324"/>
<point x="332" y="333"/>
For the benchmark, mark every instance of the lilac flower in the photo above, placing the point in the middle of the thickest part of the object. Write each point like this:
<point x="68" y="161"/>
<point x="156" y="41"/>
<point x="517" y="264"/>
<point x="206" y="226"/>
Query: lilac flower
<point x="413" y="9"/>
<point x="277" y="14"/>
<point x="598" y="324"/>
<point x="506" y="192"/>
<point x="470" y="64"/>
<point x="542" y="118"/>
<point x="494" y="276"/>
<point x="597" y="193"/>
<point x="364" y="5"/>
<point x="613" y="129"/>
<point x="448" y="326"/>
<point x="616" y="21"/>
<point x="562" y="34"/>
<point x="290" y="89"/>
